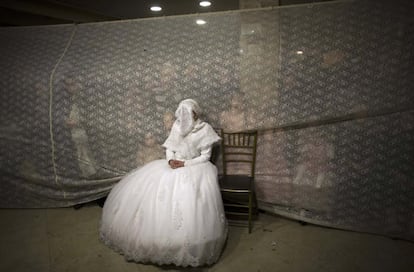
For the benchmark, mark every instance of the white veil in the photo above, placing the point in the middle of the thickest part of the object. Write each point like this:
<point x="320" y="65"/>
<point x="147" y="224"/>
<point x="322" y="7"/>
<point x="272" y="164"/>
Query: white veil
<point x="184" y="114"/>
<point x="202" y="135"/>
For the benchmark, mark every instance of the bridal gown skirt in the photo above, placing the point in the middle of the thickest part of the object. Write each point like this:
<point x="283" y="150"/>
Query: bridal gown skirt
<point x="166" y="216"/>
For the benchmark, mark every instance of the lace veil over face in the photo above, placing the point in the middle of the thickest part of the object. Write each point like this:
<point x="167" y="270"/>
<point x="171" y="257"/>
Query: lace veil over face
<point x="188" y="136"/>
<point x="184" y="116"/>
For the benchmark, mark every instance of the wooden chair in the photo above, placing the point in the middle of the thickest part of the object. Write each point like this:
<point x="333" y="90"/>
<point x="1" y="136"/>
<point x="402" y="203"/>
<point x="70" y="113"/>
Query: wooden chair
<point x="238" y="151"/>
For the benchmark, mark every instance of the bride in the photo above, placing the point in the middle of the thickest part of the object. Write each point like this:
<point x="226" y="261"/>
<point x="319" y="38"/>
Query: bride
<point x="170" y="211"/>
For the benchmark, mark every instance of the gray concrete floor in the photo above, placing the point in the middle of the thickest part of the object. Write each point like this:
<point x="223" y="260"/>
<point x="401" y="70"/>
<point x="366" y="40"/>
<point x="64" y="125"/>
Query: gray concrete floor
<point x="67" y="240"/>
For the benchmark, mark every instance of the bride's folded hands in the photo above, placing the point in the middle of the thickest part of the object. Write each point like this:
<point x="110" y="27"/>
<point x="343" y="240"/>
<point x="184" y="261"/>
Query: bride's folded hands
<point x="174" y="164"/>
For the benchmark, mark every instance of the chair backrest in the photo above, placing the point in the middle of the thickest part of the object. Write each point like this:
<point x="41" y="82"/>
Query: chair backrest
<point x="239" y="152"/>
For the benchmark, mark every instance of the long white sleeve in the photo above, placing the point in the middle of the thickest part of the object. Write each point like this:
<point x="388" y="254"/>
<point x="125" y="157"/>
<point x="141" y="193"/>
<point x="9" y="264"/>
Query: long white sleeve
<point x="204" y="156"/>
<point x="169" y="155"/>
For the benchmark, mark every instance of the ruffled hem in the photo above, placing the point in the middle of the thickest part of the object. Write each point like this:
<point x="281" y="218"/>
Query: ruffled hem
<point x="166" y="259"/>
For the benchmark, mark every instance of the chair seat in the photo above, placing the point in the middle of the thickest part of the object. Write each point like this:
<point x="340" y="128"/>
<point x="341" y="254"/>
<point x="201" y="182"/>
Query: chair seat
<point x="235" y="190"/>
<point x="236" y="183"/>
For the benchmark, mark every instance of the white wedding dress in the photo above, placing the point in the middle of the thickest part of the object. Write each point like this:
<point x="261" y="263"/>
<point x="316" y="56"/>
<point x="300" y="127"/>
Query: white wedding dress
<point x="161" y="215"/>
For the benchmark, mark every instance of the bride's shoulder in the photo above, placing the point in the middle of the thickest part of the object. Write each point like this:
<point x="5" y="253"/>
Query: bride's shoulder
<point x="205" y="125"/>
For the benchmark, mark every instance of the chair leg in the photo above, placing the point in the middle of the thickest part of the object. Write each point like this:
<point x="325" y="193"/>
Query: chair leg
<point x="250" y="212"/>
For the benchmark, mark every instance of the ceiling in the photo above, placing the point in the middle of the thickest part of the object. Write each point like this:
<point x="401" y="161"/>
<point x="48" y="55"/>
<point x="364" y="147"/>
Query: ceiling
<point x="46" y="12"/>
